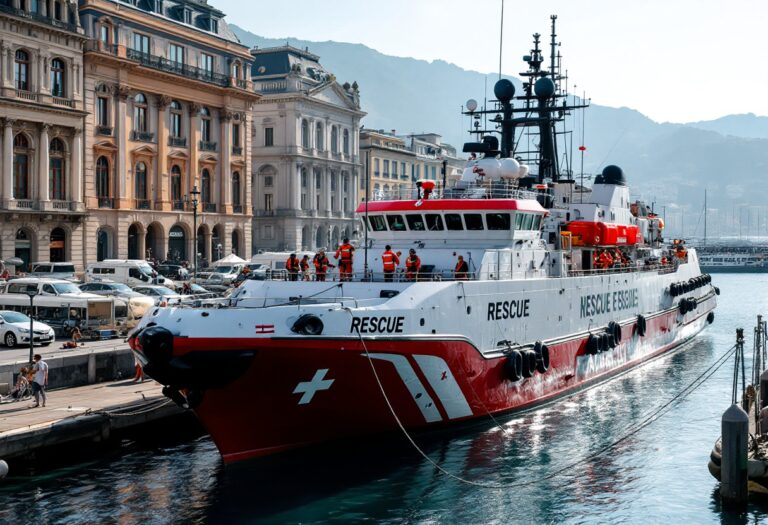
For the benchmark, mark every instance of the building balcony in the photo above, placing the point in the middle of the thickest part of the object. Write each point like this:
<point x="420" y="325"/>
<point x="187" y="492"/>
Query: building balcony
<point x="208" y="146"/>
<point x="104" y="130"/>
<point x="39" y="18"/>
<point x="237" y="208"/>
<point x="142" y="136"/>
<point x="21" y="205"/>
<point x="243" y="83"/>
<point x="169" y="66"/>
<point x="264" y="213"/>
<point x="106" y="202"/>
<point x="142" y="204"/>
<point x="27" y="95"/>
<point x="177" y="142"/>
<point x="178" y="205"/>
<point x="237" y="150"/>
<point x="209" y="207"/>
<point x="60" y="101"/>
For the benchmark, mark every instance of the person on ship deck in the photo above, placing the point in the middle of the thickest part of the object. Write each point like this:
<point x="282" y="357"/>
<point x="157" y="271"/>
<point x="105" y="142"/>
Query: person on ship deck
<point x="461" y="271"/>
<point x="412" y="265"/>
<point x="390" y="261"/>
<point x="345" y="253"/>
<point x="292" y="266"/>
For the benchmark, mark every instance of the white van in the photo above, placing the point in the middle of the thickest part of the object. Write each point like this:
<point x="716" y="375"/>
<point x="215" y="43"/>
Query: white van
<point x="53" y="270"/>
<point x="133" y="272"/>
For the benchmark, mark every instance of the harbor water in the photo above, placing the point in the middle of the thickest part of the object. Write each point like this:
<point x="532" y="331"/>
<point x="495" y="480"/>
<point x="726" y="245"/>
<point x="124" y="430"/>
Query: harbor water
<point x="657" y="474"/>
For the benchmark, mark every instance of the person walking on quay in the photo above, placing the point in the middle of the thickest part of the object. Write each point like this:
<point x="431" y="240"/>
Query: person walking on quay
<point x="412" y="265"/>
<point x="345" y="253"/>
<point x="40" y="379"/>
<point x="304" y="267"/>
<point x="461" y="272"/>
<point x="292" y="265"/>
<point x="390" y="260"/>
<point x="321" y="263"/>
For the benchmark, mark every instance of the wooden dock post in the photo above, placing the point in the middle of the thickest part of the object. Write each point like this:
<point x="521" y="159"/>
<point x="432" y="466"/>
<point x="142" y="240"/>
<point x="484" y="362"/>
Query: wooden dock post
<point x="735" y="428"/>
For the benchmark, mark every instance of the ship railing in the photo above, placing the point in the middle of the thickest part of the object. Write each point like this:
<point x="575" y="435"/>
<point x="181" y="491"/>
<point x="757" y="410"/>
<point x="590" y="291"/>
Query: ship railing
<point x="648" y="267"/>
<point x="460" y="190"/>
<point x="399" y="276"/>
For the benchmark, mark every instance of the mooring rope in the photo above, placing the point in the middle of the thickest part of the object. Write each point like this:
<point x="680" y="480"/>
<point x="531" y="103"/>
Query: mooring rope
<point x="653" y="416"/>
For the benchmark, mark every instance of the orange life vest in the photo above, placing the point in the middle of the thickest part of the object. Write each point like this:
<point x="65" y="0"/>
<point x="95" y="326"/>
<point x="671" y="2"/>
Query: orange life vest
<point x="390" y="260"/>
<point x="345" y="252"/>
<point x="292" y="264"/>
<point x="413" y="263"/>
<point x="321" y="263"/>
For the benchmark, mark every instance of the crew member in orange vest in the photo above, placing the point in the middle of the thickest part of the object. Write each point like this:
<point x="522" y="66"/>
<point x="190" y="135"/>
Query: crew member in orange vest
<point x="344" y="253"/>
<point x="461" y="272"/>
<point x="304" y="266"/>
<point x="321" y="263"/>
<point x="292" y="265"/>
<point x="605" y="261"/>
<point x="412" y="265"/>
<point x="390" y="260"/>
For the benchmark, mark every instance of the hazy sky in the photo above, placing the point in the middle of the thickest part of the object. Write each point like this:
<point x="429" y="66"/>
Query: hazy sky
<point x="674" y="60"/>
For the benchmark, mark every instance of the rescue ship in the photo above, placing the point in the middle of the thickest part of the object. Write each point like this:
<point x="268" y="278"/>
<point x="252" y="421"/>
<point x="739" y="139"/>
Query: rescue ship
<point x="564" y="286"/>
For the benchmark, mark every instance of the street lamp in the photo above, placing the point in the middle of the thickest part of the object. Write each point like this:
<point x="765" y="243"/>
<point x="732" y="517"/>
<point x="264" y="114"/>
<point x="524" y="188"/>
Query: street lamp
<point x="195" y="193"/>
<point x="31" y="293"/>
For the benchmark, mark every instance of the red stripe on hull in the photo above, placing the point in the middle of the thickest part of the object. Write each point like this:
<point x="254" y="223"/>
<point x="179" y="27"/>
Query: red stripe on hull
<point x="259" y="413"/>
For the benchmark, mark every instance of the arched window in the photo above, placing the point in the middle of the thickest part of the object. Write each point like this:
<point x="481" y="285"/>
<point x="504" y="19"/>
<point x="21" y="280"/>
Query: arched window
<point x="236" y="70"/>
<point x="102" y="178"/>
<point x="21" y="169"/>
<point x="205" y="192"/>
<point x="346" y="142"/>
<point x="335" y="139"/>
<point x="304" y="133"/>
<point x="176" y="184"/>
<point x="140" y="123"/>
<point x="176" y="115"/>
<point x="56" y="172"/>
<point x="205" y="125"/>
<point x="319" y="142"/>
<point x="21" y="70"/>
<point x="141" y="181"/>
<point x="57" y="78"/>
<point x="58" y="245"/>
<point x="236" y="189"/>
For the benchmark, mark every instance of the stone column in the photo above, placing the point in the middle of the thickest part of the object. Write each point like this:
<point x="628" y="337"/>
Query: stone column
<point x="121" y="138"/>
<point x="339" y="191"/>
<point x="162" y="186"/>
<point x="8" y="160"/>
<point x="226" y="161"/>
<point x="328" y="175"/>
<point x="43" y="164"/>
<point x="43" y="4"/>
<point x="41" y="84"/>
<point x="76" y="180"/>
<point x="194" y="139"/>
<point x="4" y="57"/>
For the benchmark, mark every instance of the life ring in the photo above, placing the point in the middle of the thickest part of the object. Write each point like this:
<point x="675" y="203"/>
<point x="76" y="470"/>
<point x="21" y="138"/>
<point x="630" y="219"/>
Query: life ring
<point x="592" y="346"/>
<point x="513" y="366"/>
<point x="641" y="326"/>
<point x="542" y="357"/>
<point x="711" y="317"/>
<point x="529" y="363"/>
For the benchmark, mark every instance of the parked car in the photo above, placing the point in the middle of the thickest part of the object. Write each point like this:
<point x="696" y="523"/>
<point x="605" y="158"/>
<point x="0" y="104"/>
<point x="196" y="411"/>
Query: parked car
<point x="14" y="327"/>
<point x="160" y="294"/>
<point x="133" y="272"/>
<point x="110" y="289"/>
<point x="53" y="270"/>
<point x="212" y="281"/>
<point x="171" y="271"/>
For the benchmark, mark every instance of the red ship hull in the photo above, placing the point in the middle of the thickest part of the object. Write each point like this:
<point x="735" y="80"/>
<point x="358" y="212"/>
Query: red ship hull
<point x="324" y="389"/>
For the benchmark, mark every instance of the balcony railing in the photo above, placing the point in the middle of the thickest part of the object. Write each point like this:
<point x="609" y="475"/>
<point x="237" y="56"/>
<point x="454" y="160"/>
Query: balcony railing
<point x="38" y="18"/>
<point x="60" y="205"/>
<point x="178" y="205"/>
<point x="142" y="204"/>
<point x="106" y="202"/>
<point x="272" y="86"/>
<point x="177" y="68"/>
<point x="242" y="83"/>
<point x="142" y="136"/>
<point x="237" y="150"/>
<point x="207" y="146"/>
<point x="237" y="208"/>
<point x="27" y="95"/>
<point x="209" y="207"/>
<point x="23" y="204"/>
<point x="104" y="130"/>
<point x="177" y="142"/>
<point x="60" y="101"/>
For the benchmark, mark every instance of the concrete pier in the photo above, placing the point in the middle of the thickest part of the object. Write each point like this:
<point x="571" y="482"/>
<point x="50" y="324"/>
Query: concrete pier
<point x="90" y="412"/>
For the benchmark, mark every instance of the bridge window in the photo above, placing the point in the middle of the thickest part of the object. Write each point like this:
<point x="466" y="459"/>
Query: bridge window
<point x="474" y="221"/>
<point x="453" y="221"/>
<point x="537" y="222"/>
<point x="415" y="223"/>
<point x="434" y="222"/>
<point x="527" y="221"/>
<point x="396" y="223"/>
<point x="519" y="220"/>
<point x="498" y="221"/>
<point x="377" y="223"/>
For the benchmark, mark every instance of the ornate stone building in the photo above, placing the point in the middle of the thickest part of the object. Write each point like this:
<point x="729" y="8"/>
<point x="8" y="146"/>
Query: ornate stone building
<point x="306" y="163"/>
<point x="167" y="89"/>
<point x="41" y="102"/>
<point x="388" y="164"/>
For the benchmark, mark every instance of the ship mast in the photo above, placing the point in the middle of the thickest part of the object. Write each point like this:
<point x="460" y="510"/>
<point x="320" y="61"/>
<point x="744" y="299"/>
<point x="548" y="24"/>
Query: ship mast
<point x="705" y="216"/>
